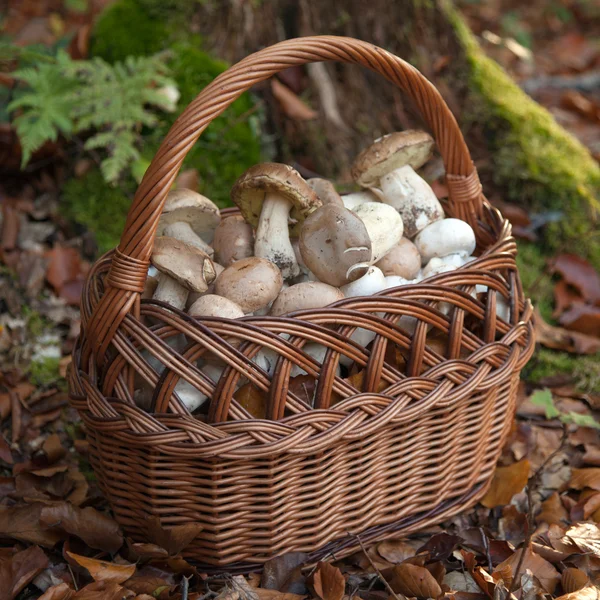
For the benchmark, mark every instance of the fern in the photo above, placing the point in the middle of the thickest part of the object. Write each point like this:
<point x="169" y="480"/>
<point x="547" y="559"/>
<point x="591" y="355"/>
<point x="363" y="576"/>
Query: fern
<point x="110" y="102"/>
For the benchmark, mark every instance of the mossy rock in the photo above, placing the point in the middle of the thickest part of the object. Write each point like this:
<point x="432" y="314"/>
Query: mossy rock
<point x="226" y="149"/>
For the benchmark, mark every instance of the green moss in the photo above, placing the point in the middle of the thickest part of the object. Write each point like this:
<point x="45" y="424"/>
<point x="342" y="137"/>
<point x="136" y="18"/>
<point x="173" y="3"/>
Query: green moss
<point x="102" y="208"/>
<point x="537" y="281"/>
<point x="536" y="161"/>
<point x="44" y="372"/>
<point x="585" y="370"/>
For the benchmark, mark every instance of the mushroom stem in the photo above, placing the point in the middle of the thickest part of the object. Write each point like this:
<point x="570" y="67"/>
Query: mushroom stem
<point x="183" y="232"/>
<point x="272" y="235"/>
<point x="170" y="291"/>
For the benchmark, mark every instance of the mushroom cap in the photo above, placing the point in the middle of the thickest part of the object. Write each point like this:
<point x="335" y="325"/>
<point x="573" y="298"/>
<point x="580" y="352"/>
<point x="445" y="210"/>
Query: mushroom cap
<point x="233" y="241"/>
<point x="303" y="296"/>
<point x="249" y="191"/>
<point x="372" y="282"/>
<point x="392" y="151"/>
<point x="402" y="260"/>
<point x="187" y="264"/>
<point x="251" y="283"/>
<point x="448" y="236"/>
<point x="190" y="207"/>
<point x="211" y="305"/>
<point x="332" y="241"/>
<point x="325" y="190"/>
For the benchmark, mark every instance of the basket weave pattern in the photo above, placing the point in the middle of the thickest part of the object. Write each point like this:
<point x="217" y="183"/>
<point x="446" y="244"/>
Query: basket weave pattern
<point x="416" y="443"/>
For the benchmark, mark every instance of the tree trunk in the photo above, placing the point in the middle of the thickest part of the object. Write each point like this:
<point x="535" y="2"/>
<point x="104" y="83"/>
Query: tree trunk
<point x="521" y="153"/>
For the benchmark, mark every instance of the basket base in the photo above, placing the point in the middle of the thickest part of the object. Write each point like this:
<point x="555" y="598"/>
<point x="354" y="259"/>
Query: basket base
<point x="349" y="545"/>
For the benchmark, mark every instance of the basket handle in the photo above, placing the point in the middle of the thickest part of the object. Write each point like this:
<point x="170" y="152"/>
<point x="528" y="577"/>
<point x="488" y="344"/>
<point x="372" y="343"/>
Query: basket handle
<point x="128" y="271"/>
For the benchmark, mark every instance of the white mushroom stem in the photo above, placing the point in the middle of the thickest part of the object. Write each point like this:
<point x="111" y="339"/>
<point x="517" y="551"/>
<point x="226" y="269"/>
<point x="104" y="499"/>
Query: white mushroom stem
<point x="316" y="351"/>
<point x="370" y="283"/>
<point x="355" y="199"/>
<point x="272" y="235"/>
<point x="191" y="396"/>
<point x="452" y="260"/>
<point x="502" y="306"/>
<point x="183" y="232"/>
<point x="170" y="291"/>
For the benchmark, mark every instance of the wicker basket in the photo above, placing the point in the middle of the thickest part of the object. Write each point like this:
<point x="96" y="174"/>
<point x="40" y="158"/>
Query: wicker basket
<point x="416" y="444"/>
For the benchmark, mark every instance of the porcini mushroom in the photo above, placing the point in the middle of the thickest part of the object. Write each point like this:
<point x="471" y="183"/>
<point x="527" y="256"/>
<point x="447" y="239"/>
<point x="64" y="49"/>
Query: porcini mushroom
<point x="189" y="217"/>
<point x="454" y="260"/>
<point x="335" y="245"/>
<point x="233" y="241"/>
<point x="384" y="226"/>
<point x="354" y="199"/>
<point x="211" y="305"/>
<point x="316" y="351"/>
<point x="251" y="283"/>
<point x="302" y="296"/>
<point x="388" y="166"/>
<point x="268" y="195"/>
<point x="402" y="260"/>
<point x="325" y="191"/>
<point x="370" y="283"/>
<point x="449" y="236"/>
<point x="193" y="296"/>
<point x="183" y="268"/>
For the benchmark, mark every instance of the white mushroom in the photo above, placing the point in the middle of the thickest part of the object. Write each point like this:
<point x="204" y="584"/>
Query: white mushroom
<point x="268" y="195"/>
<point x="316" y="351"/>
<point x="384" y="226"/>
<point x="453" y="260"/>
<point x="442" y="238"/>
<point x="303" y="296"/>
<point x="388" y="167"/>
<point x="355" y="199"/>
<point x="370" y="283"/>
<point x="211" y="305"/>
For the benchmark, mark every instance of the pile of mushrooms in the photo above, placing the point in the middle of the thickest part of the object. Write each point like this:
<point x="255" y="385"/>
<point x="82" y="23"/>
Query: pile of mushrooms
<point x="298" y="244"/>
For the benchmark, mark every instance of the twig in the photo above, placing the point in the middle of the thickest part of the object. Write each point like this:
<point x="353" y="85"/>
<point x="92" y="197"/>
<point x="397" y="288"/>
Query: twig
<point x="383" y="579"/>
<point x="531" y="484"/>
<point x="185" y="585"/>
<point x="486" y="546"/>
<point x="73" y="577"/>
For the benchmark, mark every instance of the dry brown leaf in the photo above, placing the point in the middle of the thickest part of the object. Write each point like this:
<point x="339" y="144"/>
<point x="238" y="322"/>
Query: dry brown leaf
<point x="291" y="105"/>
<point x="23" y="523"/>
<point x="284" y="573"/>
<point x="564" y="296"/>
<point x="276" y="595"/>
<point x="579" y="273"/>
<point x="412" y="580"/>
<point x="5" y="452"/>
<point x="103" y="590"/>
<point x="62" y="591"/>
<point x="592" y="456"/>
<point x="53" y="449"/>
<point x="328" y="582"/>
<point x="588" y="593"/>
<point x="574" y="579"/>
<point x="173" y="539"/>
<point x="553" y="511"/>
<point x="586" y="536"/>
<point x="507" y="482"/>
<point x="254" y="400"/>
<point x="544" y="572"/>
<point x="22" y="568"/>
<point x="64" y="265"/>
<point x="461" y="582"/>
<point x="395" y="551"/>
<point x="104" y="571"/>
<point x="93" y="527"/>
<point x="583" y="318"/>
<point x="585" y="478"/>
<point x="558" y="338"/>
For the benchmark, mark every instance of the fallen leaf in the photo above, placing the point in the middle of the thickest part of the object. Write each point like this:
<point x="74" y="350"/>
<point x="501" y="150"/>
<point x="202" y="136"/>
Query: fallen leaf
<point x="588" y="593"/>
<point x="579" y="273"/>
<point x="440" y="546"/>
<point x="174" y="539"/>
<point x="328" y="582"/>
<point x="544" y="572"/>
<point x="145" y="551"/>
<point x="64" y="265"/>
<point x="276" y="595"/>
<point x="284" y="573"/>
<point x="585" y="478"/>
<point x="53" y="449"/>
<point x="254" y="400"/>
<point x="559" y="338"/>
<point x="21" y="569"/>
<point x="104" y="571"/>
<point x="103" y="590"/>
<point x="586" y="536"/>
<point x="461" y="582"/>
<point x="291" y="105"/>
<point x="395" y="551"/>
<point x="5" y="452"/>
<point x="564" y="296"/>
<point x="413" y="580"/>
<point x="62" y="591"/>
<point x="93" y="527"/>
<point x="507" y="482"/>
<point x="553" y="511"/>
<point x="582" y="318"/>
<point x="574" y="579"/>
<point x="23" y="523"/>
<point x="577" y="102"/>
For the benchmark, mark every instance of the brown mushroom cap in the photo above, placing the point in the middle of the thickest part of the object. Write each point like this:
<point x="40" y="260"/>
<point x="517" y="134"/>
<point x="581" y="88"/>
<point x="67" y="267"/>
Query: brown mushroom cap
<point x="233" y="241"/>
<point x="325" y="190"/>
<point x="249" y="191"/>
<point x="302" y="296"/>
<point x="332" y="240"/>
<point x="251" y="283"/>
<point x="391" y="152"/>
<point x="190" y="207"/>
<point x="211" y="305"/>
<point x="402" y="260"/>
<point x="187" y="264"/>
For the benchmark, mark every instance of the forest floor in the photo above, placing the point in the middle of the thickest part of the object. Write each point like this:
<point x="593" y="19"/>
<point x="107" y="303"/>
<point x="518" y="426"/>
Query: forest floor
<point x="535" y="534"/>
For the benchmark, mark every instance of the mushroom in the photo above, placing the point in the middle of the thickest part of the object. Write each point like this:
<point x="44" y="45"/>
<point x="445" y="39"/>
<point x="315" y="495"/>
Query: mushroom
<point x="269" y="195"/>
<point x="351" y="201"/>
<point x="316" y="351"/>
<point x="402" y="260"/>
<point x="335" y="245"/>
<point x="211" y="305"/>
<point x="150" y="286"/>
<point x="233" y="241"/>
<point x="250" y="282"/>
<point x="388" y="166"/>
<point x="370" y="283"/>
<point x="384" y="226"/>
<point x="189" y="217"/>
<point x="183" y="268"/>
<point x="449" y="236"/>
<point x="193" y="296"/>
<point x="303" y="296"/>
<point x="454" y="260"/>
<point x="325" y="190"/>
